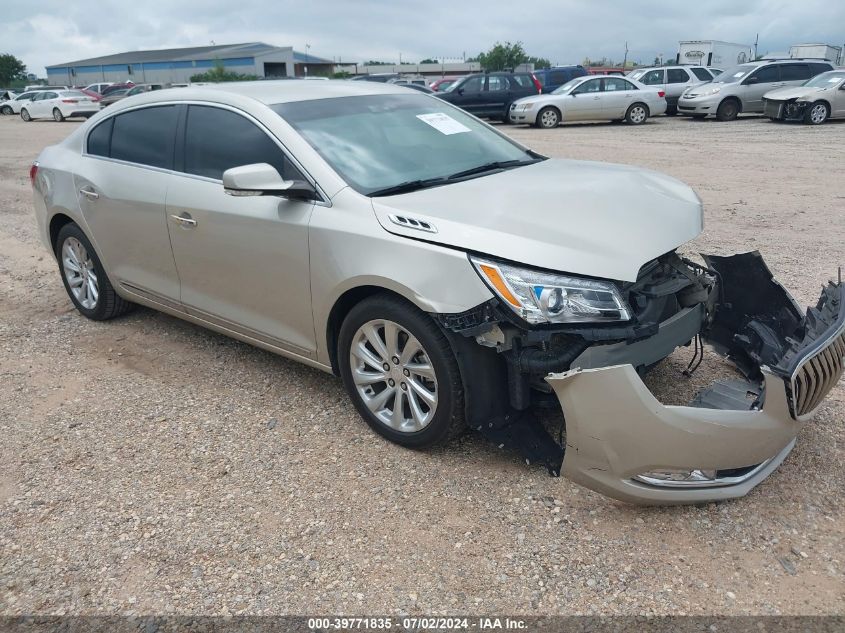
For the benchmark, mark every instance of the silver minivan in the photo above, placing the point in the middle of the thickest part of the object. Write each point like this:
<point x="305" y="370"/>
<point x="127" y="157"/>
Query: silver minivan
<point x="740" y="89"/>
<point x="450" y="276"/>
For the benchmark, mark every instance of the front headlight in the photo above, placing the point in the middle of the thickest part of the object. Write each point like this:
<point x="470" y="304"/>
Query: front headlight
<point x="711" y="91"/>
<point x="540" y="297"/>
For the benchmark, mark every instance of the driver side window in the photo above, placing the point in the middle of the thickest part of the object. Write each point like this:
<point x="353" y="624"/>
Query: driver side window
<point x="594" y="85"/>
<point x="473" y="84"/>
<point x="218" y="139"/>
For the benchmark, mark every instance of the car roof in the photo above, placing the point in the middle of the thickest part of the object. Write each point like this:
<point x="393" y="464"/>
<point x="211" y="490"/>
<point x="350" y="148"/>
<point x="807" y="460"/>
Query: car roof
<point x="267" y="92"/>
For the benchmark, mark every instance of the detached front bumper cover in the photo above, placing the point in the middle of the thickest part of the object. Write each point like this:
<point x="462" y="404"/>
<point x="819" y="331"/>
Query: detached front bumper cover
<point x="736" y="432"/>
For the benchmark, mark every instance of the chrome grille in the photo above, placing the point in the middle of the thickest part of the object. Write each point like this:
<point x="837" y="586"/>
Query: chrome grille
<point x="817" y="375"/>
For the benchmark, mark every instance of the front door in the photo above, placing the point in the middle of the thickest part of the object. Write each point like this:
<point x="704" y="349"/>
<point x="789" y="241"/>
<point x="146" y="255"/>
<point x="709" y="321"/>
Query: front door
<point x="584" y="102"/>
<point x="242" y="261"/>
<point x="470" y="94"/>
<point x="754" y="87"/>
<point x="839" y="101"/>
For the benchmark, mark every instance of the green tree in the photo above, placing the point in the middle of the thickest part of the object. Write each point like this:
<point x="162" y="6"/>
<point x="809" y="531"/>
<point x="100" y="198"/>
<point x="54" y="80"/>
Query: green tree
<point x="539" y="62"/>
<point x="11" y="68"/>
<point x="219" y="74"/>
<point x="428" y="60"/>
<point x="503" y="56"/>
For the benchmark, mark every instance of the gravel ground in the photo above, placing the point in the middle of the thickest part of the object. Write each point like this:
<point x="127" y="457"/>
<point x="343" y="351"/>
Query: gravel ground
<point x="150" y="466"/>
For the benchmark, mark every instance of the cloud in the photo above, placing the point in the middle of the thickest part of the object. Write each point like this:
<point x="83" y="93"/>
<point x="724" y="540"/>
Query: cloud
<point x="564" y="31"/>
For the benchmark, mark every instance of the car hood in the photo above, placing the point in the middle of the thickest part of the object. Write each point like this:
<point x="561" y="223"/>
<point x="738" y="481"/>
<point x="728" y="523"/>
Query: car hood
<point x="577" y="217"/>
<point x="795" y="92"/>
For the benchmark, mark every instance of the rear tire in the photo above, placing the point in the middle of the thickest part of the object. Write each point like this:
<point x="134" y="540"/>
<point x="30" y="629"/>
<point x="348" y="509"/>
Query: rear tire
<point x="548" y="118"/>
<point x="424" y="418"/>
<point x="637" y="114"/>
<point x="81" y="270"/>
<point x="817" y="113"/>
<point x="728" y="110"/>
<point x="25" y="115"/>
<point x="58" y="117"/>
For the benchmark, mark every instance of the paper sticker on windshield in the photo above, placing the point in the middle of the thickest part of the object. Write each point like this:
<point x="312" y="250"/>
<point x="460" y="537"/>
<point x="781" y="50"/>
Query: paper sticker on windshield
<point x="443" y="123"/>
<point x="739" y="74"/>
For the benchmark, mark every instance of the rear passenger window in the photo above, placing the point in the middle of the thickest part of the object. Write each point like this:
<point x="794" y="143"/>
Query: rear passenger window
<point x="217" y="140"/>
<point x="701" y="73"/>
<point x="99" y="139"/>
<point x="677" y="76"/>
<point x="145" y="136"/>
<point x="794" y="72"/>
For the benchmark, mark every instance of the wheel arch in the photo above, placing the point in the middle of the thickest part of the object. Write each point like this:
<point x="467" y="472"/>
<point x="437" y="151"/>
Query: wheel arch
<point x="57" y="222"/>
<point x="341" y="307"/>
<point x="546" y="107"/>
<point x="733" y="98"/>
<point x="640" y="103"/>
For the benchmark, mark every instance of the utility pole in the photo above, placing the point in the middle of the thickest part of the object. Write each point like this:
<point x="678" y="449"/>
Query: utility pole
<point x="625" y="60"/>
<point x="307" y="46"/>
<point x="756" y="41"/>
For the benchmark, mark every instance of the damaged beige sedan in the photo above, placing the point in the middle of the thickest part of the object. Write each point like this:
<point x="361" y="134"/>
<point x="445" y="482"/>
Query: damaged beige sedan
<point x="450" y="276"/>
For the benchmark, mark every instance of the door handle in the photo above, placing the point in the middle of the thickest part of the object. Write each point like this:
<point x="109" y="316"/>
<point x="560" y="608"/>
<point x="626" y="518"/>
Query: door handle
<point x="184" y="220"/>
<point x="89" y="193"/>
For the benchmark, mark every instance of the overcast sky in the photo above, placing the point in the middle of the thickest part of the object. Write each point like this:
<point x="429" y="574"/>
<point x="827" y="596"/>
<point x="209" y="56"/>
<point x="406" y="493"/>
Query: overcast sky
<point x="564" y="31"/>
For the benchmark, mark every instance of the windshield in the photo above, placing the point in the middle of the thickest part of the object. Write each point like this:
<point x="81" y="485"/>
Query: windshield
<point x="636" y="74"/>
<point x="735" y="74"/>
<point x="378" y="142"/>
<point x="569" y="85"/>
<point x="826" y="80"/>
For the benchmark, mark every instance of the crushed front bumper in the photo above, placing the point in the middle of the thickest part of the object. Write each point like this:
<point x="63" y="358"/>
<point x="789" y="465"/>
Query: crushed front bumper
<point x="621" y="441"/>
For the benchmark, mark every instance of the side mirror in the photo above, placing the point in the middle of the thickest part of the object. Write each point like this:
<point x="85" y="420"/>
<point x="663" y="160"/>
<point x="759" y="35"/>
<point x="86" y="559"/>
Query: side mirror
<point x="262" y="179"/>
<point x="573" y="94"/>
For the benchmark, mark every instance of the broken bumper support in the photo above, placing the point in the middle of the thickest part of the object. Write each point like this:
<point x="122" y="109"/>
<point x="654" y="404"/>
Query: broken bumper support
<point x="622" y="442"/>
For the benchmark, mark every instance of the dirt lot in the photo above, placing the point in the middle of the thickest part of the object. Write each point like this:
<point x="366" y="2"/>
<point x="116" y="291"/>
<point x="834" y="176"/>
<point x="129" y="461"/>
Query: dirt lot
<point x="149" y="466"/>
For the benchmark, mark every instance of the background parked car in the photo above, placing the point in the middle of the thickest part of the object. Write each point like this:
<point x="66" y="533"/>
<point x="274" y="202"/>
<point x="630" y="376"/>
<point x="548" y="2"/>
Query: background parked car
<point x="673" y="80"/>
<point x="59" y="105"/>
<point x="591" y="98"/>
<point x="491" y="94"/>
<point x="7" y="95"/>
<point x="439" y="85"/>
<point x="377" y="77"/>
<point x="819" y="99"/>
<point x="113" y="96"/>
<point x="419" y="88"/>
<point x="553" y="78"/>
<point x="115" y="87"/>
<point x="98" y="88"/>
<point x="741" y="88"/>
<point x="14" y="106"/>
<point x="96" y="96"/>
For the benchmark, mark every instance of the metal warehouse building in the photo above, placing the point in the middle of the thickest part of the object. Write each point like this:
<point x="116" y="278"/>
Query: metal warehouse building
<point x="177" y="65"/>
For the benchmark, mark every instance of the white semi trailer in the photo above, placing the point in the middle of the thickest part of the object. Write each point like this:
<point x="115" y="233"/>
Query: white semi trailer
<point x="713" y="53"/>
<point x="817" y="51"/>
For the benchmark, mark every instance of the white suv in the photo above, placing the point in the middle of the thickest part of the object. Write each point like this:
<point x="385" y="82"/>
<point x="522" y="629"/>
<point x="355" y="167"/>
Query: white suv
<point x="741" y="88"/>
<point x="673" y="80"/>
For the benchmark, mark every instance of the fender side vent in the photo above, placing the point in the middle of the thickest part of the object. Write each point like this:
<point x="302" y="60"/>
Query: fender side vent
<point x="413" y="223"/>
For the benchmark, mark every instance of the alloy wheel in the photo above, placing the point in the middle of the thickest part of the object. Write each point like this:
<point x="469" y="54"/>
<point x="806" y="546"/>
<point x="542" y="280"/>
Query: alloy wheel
<point x="638" y="114"/>
<point x="79" y="273"/>
<point x="393" y="375"/>
<point x="549" y="119"/>
<point x="818" y="113"/>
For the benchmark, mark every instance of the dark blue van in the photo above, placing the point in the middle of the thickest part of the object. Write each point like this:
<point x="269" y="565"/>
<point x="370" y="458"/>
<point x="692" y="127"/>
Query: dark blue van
<point x="551" y="78"/>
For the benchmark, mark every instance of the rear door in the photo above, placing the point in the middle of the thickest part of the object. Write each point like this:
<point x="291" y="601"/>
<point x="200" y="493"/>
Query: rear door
<point x="617" y="95"/>
<point x="757" y="84"/>
<point x="794" y="74"/>
<point x="677" y="80"/>
<point x="497" y="96"/>
<point x="242" y="260"/>
<point x="121" y="185"/>
<point x="41" y="106"/>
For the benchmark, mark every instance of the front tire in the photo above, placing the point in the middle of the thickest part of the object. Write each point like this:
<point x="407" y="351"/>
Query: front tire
<point x="58" y="117"/>
<point x="637" y="114"/>
<point x="25" y="115"/>
<point x="548" y="118"/>
<point x="7" y="110"/>
<point x="400" y="372"/>
<point x="728" y="110"/>
<point x="817" y="113"/>
<point x="84" y="278"/>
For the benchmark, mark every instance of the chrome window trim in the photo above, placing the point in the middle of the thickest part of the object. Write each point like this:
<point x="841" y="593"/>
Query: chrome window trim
<point x="324" y="201"/>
